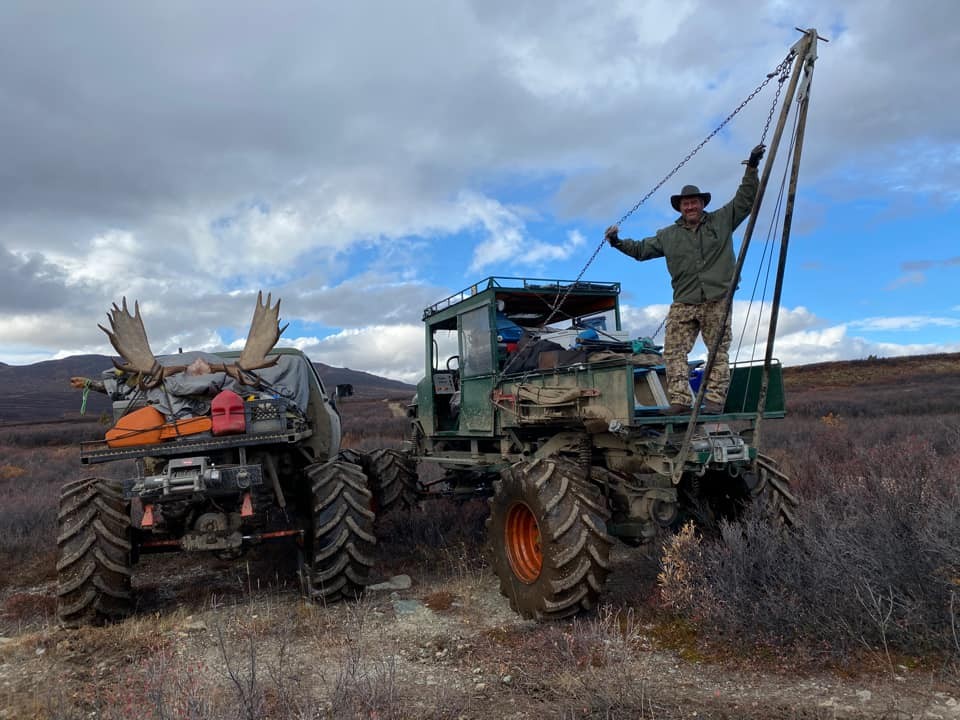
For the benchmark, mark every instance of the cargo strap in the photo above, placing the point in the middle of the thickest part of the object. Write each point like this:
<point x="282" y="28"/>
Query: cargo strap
<point x="86" y="394"/>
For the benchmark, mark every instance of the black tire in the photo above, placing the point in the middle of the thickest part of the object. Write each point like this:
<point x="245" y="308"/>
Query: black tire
<point x="351" y="456"/>
<point x="340" y="550"/>
<point x="719" y="496"/>
<point x="94" y="553"/>
<point x="547" y="538"/>
<point x="393" y="477"/>
<point x="709" y="499"/>
<point x="773" y="491"/>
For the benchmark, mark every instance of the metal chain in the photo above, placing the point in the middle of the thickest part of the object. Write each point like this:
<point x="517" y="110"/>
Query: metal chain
<point x="659" y="327"/>
<point x="781" y="73"/>
<point x="784" y="70"/>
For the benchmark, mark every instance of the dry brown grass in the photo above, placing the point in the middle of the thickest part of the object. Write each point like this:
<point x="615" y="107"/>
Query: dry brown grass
<point x="371" y="423"/>
<point x="858" y="456"/>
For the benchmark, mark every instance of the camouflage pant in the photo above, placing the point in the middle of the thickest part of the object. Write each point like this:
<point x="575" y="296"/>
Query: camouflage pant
<point x="684" y="323"/>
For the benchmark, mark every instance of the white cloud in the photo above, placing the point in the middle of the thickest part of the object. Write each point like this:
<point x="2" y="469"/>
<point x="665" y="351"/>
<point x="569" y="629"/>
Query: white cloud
<point x="34" y="332"/>
<point x="644" y="321"/>
<point x="507" y="242"/>
<point x="323" y="156"/>
<point x="802" y="337"/>
<point x="903" y="323"/>
<point x="829" y="343"/>
<point x="391" y="351"/>
<point x="749" y="319"/>
<point x="579" y="52"/>
<point x="111" y="255"/>
<point x="913" y="278"/>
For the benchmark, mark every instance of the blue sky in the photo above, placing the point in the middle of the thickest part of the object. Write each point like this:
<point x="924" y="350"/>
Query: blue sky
<point x="364" y="160"/>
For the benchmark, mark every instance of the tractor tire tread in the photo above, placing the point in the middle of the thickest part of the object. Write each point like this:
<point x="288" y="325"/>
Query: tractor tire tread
<point x="571" y="516"/>
<point x="94" y="557"/>
<point x="341" y="537"/>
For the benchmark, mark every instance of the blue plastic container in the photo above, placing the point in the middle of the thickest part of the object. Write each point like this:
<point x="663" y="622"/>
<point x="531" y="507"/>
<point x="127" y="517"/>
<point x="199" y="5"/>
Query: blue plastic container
<point x="696" y="376"/>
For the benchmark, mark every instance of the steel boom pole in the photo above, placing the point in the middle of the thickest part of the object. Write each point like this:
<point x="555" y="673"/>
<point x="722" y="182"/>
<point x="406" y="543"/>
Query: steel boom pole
<point x="805" y="49"/>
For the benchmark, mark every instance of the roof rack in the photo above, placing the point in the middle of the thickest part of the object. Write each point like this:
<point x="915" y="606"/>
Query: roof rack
<point x="532" y="285"/>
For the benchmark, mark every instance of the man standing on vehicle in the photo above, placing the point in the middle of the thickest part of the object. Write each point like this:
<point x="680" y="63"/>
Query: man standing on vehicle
<point x="698" y="248"/>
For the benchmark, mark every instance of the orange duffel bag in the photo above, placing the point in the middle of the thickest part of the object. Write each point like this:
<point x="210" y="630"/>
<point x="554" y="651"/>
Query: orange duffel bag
<point x="141" y="427"/>
<point x="185" y="426"/>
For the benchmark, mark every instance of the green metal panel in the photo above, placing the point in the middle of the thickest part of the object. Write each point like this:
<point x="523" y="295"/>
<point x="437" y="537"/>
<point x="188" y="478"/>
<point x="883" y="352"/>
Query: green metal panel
<point x="744" y="392"/>
<point x="614" y="399"/>
<point x="476" y="410"/>
<point x="616" y="390"/>
<point x="425" y="403"/>
<point x="467" y="300"/>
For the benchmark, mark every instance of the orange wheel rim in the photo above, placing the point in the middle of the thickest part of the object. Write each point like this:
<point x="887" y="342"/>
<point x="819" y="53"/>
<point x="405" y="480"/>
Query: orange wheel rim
<point x="523" y="543"/>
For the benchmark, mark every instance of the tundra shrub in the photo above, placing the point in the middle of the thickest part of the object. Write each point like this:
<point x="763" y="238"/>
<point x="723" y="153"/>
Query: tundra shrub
<point x="31" y="476"/>
<point x="51" y="434"/>
<point x="443" y="534"/>
<point x="370" y="424"/>
<point x="874" y="560"/>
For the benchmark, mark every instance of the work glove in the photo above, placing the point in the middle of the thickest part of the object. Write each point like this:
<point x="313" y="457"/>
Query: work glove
<point x="612" y="236"/>
<point x="755" y="155"/>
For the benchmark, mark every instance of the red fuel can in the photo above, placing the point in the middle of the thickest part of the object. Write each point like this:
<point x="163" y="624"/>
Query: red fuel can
<point x="228" y="413"/>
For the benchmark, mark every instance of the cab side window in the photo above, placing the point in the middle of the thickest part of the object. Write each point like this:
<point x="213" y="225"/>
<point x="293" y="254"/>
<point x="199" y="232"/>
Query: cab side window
<point x="476" y="341"/>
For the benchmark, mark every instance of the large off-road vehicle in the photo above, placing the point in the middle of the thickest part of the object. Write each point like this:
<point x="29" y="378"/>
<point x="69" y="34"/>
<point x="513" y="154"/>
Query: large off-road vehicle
<point x="535" y="397"/>
<point x="229" y="449"/>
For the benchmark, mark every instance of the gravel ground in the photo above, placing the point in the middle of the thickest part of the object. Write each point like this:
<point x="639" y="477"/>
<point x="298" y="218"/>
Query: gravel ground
<point x="208" y="641"/>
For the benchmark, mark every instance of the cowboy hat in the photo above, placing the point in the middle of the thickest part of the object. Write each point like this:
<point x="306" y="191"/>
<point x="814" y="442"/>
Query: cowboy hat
<point x="689" y="191"/>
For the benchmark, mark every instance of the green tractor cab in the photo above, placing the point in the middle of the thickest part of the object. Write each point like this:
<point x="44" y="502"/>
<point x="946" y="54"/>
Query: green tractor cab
<point x="534" y="396"/>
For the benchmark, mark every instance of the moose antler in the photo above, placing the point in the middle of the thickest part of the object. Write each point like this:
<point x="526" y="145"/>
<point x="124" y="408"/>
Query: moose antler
<point x="129" y="339"/>
<point x="264" y="332"/>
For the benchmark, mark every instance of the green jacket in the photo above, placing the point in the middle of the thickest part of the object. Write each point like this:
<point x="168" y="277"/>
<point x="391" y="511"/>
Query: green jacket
<point x="700" y="260"/>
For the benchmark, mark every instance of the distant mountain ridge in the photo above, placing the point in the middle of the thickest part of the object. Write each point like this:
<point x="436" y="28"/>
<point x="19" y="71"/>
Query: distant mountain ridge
<point x="42" y="391"/>
<point x="362" y="382"/>
<point x="873" y="370"/>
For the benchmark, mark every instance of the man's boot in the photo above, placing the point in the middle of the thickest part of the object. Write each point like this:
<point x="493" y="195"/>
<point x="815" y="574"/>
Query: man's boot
<point x="712" y="407"/>
<point x="676" y="409"/>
